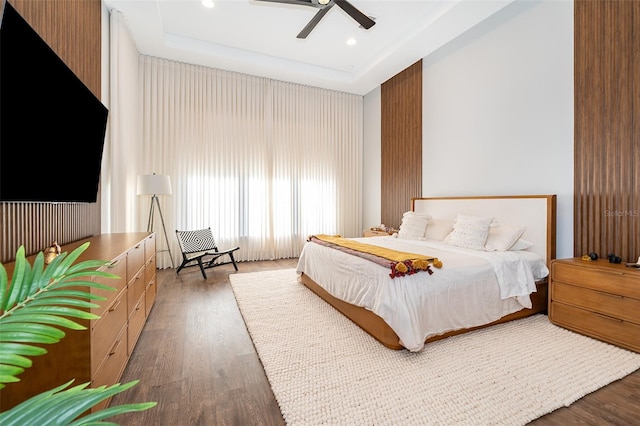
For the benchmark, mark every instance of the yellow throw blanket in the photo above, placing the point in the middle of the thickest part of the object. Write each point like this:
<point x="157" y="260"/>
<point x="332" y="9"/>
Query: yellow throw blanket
<point x="400" y="263"/>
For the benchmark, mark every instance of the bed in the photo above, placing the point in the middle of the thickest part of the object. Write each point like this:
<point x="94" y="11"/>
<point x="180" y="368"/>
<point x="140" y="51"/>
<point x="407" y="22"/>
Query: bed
<point x="504" y="280"/>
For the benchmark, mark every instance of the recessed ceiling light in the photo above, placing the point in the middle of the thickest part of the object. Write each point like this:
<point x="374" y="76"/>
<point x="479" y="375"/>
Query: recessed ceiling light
<point x="208" y="3"/>
<point x="351" y="41"/>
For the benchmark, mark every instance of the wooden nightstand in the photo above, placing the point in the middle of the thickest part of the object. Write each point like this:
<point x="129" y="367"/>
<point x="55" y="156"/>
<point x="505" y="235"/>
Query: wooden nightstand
<point x="374" y="233"/>
<point x="378" y="232"/>
<point x="598" y="299"/>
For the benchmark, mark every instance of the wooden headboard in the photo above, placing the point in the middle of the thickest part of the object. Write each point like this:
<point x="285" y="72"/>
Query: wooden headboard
<point x="536" y="212"/>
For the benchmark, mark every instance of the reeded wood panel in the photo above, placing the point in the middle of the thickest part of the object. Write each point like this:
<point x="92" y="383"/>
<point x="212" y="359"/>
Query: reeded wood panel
<point x="401" y="139"/>
<point x="36" y="225"/>
<point x="73" y="29"/>
<point x="607" y="128"/>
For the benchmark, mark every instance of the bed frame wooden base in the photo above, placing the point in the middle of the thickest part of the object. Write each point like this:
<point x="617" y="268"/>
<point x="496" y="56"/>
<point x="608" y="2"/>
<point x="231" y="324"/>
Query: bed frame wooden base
<point x="380" y="330"/>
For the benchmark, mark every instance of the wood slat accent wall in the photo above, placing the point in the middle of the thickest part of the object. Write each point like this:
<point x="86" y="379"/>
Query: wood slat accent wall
<point x="401" y="139"/>
<point x="607" y="128"/>
<point x="73" y="30"/>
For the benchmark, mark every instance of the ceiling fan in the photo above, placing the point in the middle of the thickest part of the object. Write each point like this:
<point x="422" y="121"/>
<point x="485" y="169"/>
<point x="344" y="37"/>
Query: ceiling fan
<point x="324" y="6"/>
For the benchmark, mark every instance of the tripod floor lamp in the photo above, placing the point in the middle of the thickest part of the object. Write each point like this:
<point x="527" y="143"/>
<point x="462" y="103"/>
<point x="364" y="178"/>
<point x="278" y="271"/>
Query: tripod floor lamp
<point x="155" y="185"/>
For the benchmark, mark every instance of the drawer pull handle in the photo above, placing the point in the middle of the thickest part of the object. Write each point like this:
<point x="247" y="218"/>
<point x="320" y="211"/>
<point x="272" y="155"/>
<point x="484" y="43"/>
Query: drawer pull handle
<point x="114" y="348"/>
<point x="115" y="305"/>
<point x="611" y="272"/>
<point x="113" y="264"/>
<point x="608" y="317"/>
<point x="616" y="296"/>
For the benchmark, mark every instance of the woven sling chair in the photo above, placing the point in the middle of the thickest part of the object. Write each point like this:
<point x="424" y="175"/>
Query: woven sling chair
<point x="199" y="249"/>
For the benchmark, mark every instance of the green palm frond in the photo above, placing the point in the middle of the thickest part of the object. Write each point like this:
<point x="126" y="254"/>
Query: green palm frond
<point x="35" y="305"/>
<point x="63" y="405"/>
<point x="39" y="301"/>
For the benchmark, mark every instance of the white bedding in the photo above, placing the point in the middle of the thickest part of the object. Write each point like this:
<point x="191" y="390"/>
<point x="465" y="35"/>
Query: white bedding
<point x="472" y="288"/>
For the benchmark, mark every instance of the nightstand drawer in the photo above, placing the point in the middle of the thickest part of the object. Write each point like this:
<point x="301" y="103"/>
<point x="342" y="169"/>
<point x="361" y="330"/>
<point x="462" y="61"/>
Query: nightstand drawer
<point x="622" y="333"/>
<point x="609" y="304"/>
<point x="374" y="233"/>
<point x="600" y="275"/>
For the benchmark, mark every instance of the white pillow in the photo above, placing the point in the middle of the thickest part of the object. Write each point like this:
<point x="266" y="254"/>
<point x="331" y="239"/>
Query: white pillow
<point x="469" y="232"/>
<point x="521" y="244"/>
<point x="413" y="226"/>
<point x="502" y="237"/>
<point x="438" y="229"/>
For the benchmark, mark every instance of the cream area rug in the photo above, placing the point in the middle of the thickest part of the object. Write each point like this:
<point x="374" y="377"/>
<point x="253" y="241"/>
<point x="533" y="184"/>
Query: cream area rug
<point x="324" y="370"/>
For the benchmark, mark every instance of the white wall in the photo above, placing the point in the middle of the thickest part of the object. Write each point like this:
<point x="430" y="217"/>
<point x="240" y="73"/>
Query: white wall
<point x="371" y="162"/>
<point x="498" y="112"/>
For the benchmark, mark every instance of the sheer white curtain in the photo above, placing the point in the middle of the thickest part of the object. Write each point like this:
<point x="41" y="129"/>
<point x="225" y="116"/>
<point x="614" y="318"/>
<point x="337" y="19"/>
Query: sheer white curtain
<point x="119" y="201"/>
<point x="263" y="163"/>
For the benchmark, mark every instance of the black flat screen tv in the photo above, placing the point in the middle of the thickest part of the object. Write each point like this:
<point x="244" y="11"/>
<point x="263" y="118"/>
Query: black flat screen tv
<point x="52" y="127"/>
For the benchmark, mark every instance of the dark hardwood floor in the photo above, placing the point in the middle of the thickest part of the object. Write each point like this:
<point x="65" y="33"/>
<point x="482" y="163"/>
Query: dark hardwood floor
<point x="196" y="359"/>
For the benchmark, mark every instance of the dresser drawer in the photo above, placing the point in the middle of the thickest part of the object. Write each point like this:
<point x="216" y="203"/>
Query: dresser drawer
<point x="595" y="300"/>
<point x="150" y="270"/>
<point x="599" y="275"/>
<point x="135" y="260"/>
<point x="117" y="267"/>
<point x="111" y="369"/>
<point x="105" y="330"/>
<point x="136" y="323"/>
<point x="150" y="297"/>
<point x="150" y="247"/>
<point x="135" y="290"/>
<point x="619" y="332"/>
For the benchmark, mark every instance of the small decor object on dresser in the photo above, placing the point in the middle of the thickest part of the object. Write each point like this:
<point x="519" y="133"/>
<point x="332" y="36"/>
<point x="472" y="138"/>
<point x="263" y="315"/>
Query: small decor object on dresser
<point x="598" y="298"/>
<point x="613" y="258"/>
<point x="51" y="252"/>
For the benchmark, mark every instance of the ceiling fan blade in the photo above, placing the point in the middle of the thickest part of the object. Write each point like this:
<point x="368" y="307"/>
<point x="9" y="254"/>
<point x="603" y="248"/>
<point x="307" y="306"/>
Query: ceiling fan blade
<point x="298" y="2"/>
<point x="314" y="21"/>
<point x="362" y="19"/>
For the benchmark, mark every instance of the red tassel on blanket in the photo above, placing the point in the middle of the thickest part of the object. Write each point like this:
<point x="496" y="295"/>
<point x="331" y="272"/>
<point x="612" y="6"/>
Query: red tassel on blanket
<point x="400" y="269"/>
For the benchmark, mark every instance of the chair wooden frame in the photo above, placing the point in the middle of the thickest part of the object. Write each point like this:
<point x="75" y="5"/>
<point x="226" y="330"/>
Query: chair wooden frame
<point x="199" y="248"/>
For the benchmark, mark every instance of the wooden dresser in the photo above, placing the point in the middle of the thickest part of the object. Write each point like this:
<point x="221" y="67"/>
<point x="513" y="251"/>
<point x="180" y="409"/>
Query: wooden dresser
<point x="598" y="299"/>
<point x="100" y="353"/>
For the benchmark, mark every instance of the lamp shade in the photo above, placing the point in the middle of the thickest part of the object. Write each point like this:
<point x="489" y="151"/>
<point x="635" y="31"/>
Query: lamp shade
<point x="154" y="185"/>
